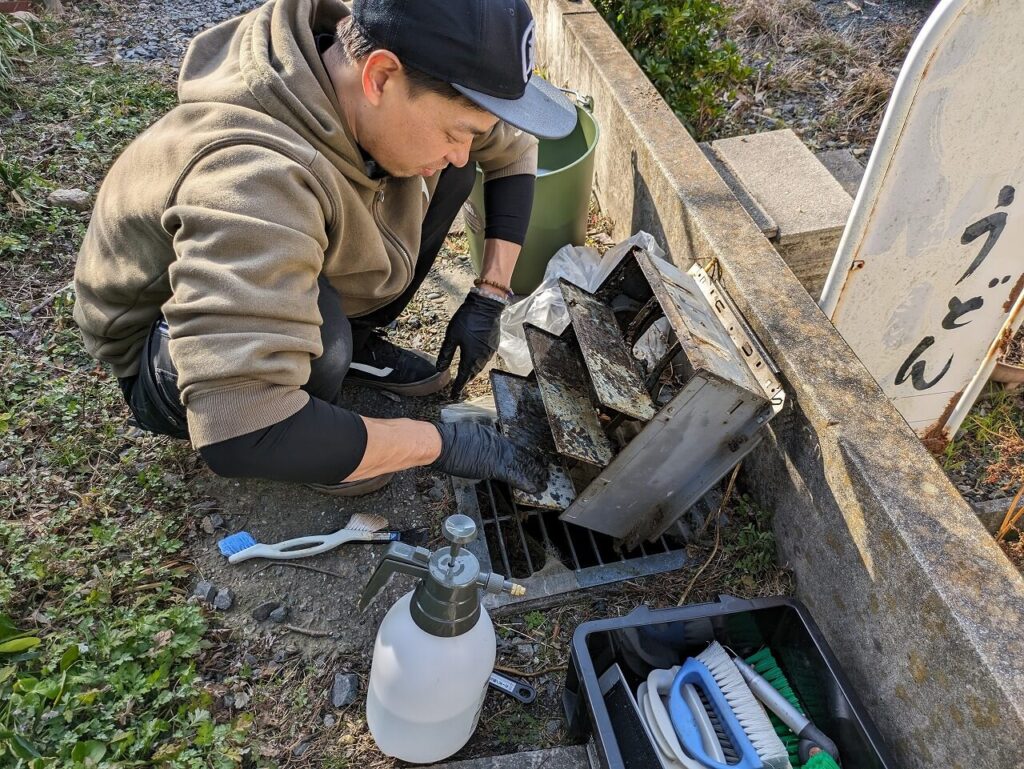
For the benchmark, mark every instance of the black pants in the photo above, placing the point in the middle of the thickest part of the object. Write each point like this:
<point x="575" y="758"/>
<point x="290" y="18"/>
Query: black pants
<point x="153" y="395"/>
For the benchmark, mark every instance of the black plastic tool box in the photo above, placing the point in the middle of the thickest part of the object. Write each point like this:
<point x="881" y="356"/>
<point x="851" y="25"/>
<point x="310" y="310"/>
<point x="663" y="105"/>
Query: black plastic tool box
<point x="646" y="639"/>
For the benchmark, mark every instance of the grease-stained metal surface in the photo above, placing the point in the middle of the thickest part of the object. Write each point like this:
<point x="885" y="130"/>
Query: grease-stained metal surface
<point x="727" y="393"/>
<point x="561" y="377"/>
<point x="522" y="420"/>
<point x="614" y="373"/>
<point x="709" y="426"/>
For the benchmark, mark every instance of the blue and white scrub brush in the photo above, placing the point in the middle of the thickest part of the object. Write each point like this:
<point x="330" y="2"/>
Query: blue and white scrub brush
<point x="718" y="719"/>
<point x="241" y="546"/>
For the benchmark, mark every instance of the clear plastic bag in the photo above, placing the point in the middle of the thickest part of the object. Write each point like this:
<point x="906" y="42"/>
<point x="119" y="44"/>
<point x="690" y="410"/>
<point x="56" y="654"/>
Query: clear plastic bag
<point x="545" y="309"/>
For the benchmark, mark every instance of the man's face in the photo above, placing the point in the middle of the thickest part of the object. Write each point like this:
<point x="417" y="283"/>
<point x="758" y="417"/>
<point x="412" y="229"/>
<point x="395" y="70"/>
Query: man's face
<point x="420" y="135"/>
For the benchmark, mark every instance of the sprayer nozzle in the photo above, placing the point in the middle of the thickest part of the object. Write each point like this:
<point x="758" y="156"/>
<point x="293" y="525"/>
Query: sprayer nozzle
<point x="516" y="591"/>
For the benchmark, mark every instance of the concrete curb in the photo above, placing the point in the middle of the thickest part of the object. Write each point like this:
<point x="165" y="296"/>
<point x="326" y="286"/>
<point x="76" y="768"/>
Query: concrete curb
<point x="574" y="757"/>
<point x="915" y="598"/>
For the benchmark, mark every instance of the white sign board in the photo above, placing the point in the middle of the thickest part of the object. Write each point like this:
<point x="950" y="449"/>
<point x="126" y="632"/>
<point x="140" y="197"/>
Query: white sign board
<point x="926" y="285"/>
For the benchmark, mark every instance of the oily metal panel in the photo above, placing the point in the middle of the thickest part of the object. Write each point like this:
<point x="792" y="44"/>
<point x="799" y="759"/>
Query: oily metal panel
<point x="706" y="342"/>
<point x="614" y="373"/>
<point x="522" y="420"/>
<point x="678" y="456"/>
<point x="561" y="377"/>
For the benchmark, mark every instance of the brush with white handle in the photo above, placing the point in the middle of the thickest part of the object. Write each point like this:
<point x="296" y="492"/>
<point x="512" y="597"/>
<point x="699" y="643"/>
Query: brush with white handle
<point x="241" y="546"/>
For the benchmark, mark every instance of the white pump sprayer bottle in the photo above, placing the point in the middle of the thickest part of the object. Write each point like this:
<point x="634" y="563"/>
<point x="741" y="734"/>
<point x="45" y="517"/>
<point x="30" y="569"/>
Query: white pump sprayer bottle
<point x="434" y="651"/>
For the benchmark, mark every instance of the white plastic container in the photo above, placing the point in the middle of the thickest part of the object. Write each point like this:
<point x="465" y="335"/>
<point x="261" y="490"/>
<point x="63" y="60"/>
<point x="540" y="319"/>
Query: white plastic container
<point x="426" y="692"/>
<point x="435" y="649"/>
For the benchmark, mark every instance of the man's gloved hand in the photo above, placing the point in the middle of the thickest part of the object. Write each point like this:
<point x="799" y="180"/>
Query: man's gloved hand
<point x="473" y="329"/>
<point x="473" y="450"/>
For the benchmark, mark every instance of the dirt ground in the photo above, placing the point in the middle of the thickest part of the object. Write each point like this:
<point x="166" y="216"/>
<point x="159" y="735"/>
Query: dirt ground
<point x="325" y="634"/>
<point x="824" y="68"/>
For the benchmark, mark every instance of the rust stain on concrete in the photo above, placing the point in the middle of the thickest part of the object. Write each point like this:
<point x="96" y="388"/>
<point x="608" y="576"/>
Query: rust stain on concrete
<point x="918" y="667"/>
<point x="937" y="437"/>
<point x="1014" y="293"/>
<point x="984" y="714"/>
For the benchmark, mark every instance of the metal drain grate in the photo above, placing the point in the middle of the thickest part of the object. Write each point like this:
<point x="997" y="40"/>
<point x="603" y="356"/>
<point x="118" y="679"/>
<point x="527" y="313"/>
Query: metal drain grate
<point x="551" y="557"/>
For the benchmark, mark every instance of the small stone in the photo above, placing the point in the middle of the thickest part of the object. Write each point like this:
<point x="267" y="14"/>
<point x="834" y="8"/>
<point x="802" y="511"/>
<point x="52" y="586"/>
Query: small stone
<point x="217" y="520"/>
<point x="205" y="591"/>
<point x="77" y="200"/>
<point x="250" y="660"/>
<point x="224" y="599"/>
<point x="345" y="689"/>
<point x="414" y="322"/>
<point x="262" y="612"/>
<point x="301" y="748"/>
<point x="6" y="465"/>
<point x="433" y="295"/>
<point x="526" y="650"/>
<point x="208" y="526"/>
<point x="391" y="396"/>
<point x="329" y="721"/>
<point x="436" y="494"/>
<point x="279" y="615"/>
<point x="553" y="727"/>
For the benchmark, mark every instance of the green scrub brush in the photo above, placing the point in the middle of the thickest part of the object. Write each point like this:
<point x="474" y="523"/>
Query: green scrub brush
<point x="766" y="679"/>
<point x="821" y="760"/>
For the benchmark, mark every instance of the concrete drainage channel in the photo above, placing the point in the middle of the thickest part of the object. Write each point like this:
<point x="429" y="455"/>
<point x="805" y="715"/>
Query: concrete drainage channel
<point x="922" y="609"/>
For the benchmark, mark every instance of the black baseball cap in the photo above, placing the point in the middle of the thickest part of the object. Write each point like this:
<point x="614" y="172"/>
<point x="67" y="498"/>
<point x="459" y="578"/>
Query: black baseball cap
<point x="483" y="48"/>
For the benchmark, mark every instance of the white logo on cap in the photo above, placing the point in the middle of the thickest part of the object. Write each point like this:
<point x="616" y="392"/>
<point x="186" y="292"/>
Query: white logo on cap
<point x="529" y="57"/>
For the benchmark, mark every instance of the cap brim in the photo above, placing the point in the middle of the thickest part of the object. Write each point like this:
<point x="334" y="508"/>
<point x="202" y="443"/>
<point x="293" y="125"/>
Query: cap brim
<point x="542" y="110"/>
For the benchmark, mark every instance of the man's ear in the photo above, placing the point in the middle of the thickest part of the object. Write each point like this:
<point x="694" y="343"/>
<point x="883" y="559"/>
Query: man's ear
<point x="379" y="70"/>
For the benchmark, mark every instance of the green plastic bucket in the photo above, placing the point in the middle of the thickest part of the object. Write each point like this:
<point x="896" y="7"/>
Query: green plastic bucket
<point x="561" y="202"/>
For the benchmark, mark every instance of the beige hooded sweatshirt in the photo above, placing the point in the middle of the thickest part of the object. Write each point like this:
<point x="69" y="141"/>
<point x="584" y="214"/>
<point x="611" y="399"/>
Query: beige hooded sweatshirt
<point x="222" y="215"/>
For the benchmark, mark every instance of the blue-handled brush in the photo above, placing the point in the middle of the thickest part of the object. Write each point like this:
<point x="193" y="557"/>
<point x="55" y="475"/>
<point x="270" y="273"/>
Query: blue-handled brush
<point x="241" y="546"/>
<point x="711" y="685"/>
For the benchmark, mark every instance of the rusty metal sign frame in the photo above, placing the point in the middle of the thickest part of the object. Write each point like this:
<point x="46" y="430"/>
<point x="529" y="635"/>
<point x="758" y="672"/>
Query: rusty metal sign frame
<point x="926" y="284"/>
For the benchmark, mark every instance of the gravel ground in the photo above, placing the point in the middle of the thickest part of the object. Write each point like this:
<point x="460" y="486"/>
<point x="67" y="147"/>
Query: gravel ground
<point x="157" y="31"/>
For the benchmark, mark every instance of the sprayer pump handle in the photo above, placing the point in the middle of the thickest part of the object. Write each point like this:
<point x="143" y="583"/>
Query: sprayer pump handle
<point x="400" y="558"/>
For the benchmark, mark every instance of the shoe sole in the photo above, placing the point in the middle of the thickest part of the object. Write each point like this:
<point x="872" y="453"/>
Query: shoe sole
<point x="353" y="488"/>
<point x="428" y="386"/>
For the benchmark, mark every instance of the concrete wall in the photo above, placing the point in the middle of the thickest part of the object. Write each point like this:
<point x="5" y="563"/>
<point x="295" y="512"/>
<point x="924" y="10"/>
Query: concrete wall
<point x="919" y="604"/>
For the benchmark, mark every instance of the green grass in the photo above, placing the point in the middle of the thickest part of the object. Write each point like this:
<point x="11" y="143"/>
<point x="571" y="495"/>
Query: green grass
<point x="991" y="437"/>
<point x="19" y="37"/>
<point x="101" y="654"/>
<point x="80" y="118"/>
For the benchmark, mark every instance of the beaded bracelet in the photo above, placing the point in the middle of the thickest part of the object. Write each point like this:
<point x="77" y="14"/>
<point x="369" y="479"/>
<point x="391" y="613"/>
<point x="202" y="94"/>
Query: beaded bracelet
<point x="493" y="284"/>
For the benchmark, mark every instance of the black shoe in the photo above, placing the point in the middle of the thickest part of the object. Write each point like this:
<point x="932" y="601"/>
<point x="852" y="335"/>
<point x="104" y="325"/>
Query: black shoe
<point x="379" y="363"/>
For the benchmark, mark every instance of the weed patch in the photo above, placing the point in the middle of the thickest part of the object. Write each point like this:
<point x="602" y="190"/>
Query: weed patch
<point x="986" y="460"/>
<point x="682" y="47"/>
<point x="100" y="654"/>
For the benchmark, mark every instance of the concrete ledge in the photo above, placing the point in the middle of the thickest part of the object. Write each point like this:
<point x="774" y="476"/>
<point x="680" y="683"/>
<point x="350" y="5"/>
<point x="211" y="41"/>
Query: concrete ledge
<point x="844" y="167"/>
<point x="791" y="187"/>
<point x="919" y="604"/>
<point x="573" y="757"/>
<point x="992" y="512"/>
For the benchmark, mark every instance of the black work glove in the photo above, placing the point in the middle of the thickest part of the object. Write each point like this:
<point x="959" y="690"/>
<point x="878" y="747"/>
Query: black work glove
<point x="473" y="450"/>
<point x="473" y="329"/>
